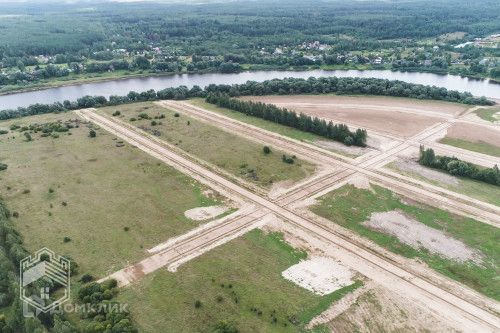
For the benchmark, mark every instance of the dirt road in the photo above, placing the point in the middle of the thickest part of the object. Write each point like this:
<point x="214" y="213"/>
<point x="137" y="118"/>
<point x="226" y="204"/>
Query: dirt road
<point x="432" y="195"/>
<point x="467" y="316"/>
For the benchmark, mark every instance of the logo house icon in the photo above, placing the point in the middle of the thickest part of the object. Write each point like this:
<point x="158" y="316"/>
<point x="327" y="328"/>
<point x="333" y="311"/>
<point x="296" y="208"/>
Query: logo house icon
<point x="44" y="280"/>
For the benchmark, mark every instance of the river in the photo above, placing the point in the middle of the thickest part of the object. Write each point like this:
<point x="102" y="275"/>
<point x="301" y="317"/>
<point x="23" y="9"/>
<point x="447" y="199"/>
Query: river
<point x="122" y="87"/>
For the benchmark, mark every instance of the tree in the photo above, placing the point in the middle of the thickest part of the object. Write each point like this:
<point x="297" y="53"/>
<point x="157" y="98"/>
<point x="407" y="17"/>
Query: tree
<point x="142" y="63"/>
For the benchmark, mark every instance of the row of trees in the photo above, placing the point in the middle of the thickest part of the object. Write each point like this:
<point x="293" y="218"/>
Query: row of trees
<point x="286" y="86"/>
<point x="337" y="132"/>
<point x="458" y="167"/>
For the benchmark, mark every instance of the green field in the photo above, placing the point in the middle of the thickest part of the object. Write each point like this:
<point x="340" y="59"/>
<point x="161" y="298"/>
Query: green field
<point x="229" y="282"/>
<point x="350" y="207"/>
<point x="489" y="114"/>
<point x="112" y="202"/>
<point x="479" y="147"/>
<point x="234" y="154"/>
<point x="267" y="125"/>
<point x="475" y="189"/>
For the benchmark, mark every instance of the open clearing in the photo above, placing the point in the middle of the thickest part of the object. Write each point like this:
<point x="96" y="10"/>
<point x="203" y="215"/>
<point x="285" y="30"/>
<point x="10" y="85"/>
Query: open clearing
<point x="419" y="236"/>
<point x="400" y="117"/>
<point x="239" y="283"/>
<point x="111" y="202"/>
<point x="474" y="137"/>
<point x="236" y="155"/>
<point x="475" y="189"/>
<point x="283" y="130"/>
<point x="351" y="207"/>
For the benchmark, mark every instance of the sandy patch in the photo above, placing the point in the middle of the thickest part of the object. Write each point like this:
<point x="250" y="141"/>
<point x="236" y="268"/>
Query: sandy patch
<point x="413" y="166"/>
<point x="417" y="235"/>
<point x="399" y="117"/>
<point x="474" y="133"/>
<point x="321" y="275"/>
<point x="205" y="213"/>
<point x="360" y="181"/>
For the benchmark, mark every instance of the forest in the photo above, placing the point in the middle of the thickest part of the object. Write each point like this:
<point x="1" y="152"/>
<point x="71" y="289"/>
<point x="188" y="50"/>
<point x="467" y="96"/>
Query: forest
<point x="41" y="43"/>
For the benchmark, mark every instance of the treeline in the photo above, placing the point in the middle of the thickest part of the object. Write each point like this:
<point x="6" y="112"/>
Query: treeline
<point x="457" y="167"/>
<point x="288" y="86"/>
<point x="337" y="132"/>
<point x="348" y="85"/>
<point x="11" y="253"/>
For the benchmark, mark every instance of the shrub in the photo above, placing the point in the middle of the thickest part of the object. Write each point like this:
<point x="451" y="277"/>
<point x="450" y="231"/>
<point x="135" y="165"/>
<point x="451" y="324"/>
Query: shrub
<point x="92" y="133"/>
<point x="133" y="119"/>
<point x="116" y="113"/>
<point x="86" y="278"/>
<point x="287" y="159"/>
<point x="266" y="150"/>
<point x="177" y="115"/>
<point x="3" y="166"/>
<point x="197" y="304"/>
<point x="67" y="239"/>
<point x="3" y="132"/>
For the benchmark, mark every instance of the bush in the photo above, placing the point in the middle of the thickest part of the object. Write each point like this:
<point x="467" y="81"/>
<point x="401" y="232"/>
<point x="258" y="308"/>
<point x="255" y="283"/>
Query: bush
<point x="116" y="113"/>
<point x="266" y="150"/>
<point x="3" y="132"/>
<point x="86" y="278"/>
<point x="197" y="304"/>
<point x="66" y="239"/>
<point x="92" y="133"/>
<point x="287" y="159"/>
<point x="3" y="166"/>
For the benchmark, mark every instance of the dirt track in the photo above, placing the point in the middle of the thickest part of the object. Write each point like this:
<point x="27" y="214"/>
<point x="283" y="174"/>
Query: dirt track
<point x="430" y="194"/>
<point x="466" y="315"/>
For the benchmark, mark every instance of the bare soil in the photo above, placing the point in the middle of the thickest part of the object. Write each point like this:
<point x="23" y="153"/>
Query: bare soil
<point x="395" y="116"/>
<point x="474" y="133"/>
<point x="380" y="310"/>
<point x="321" y="275"/>
<point x="205" y="213"/>
<point x="413" y="166"/>
<point x="418" y="235"/>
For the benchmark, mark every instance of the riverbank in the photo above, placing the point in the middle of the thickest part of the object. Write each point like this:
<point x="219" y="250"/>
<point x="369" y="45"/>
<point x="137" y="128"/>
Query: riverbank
<point x="76" y="80"/>
<point x="143" y="82"/>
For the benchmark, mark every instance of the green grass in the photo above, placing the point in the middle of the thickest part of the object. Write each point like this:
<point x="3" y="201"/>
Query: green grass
<point x="350" y="207"/>
<point x="480" y="147"/>
<point x="249" y="268"/>
<point x="489" y="114"/>
<point x="475" y="189"/>
<point x="267" y="125"/>
<point x="232" y="153"/>
<point x="106" y="188"/>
